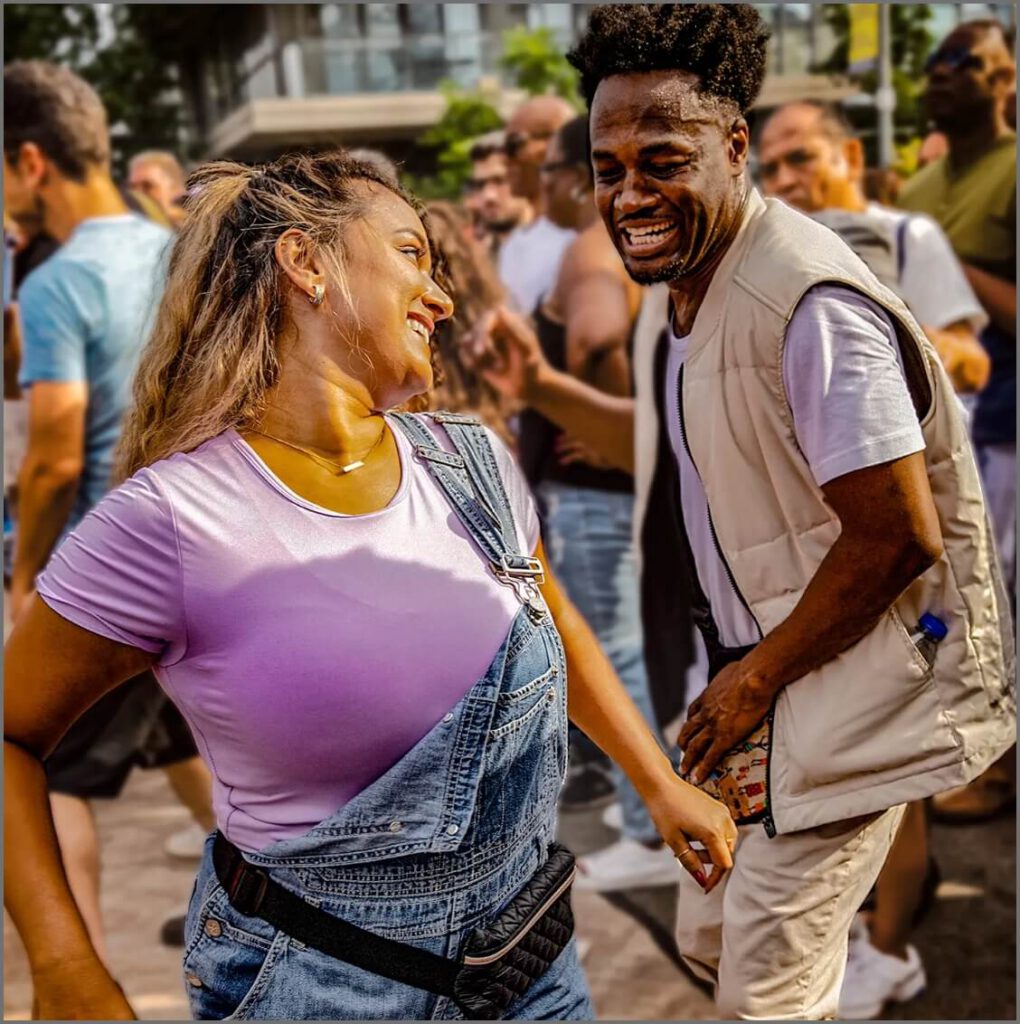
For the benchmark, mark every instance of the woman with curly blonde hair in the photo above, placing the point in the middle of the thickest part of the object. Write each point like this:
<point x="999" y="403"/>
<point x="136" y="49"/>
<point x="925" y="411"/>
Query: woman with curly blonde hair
<point x="350" y="608"/>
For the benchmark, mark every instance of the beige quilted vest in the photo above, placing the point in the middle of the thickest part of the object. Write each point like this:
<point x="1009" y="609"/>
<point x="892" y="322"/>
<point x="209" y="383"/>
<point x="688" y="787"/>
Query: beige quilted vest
<point x="875" y="726"/>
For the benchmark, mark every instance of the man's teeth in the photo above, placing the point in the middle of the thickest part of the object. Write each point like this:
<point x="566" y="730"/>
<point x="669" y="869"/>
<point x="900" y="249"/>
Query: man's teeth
<point x="648" y="234"/>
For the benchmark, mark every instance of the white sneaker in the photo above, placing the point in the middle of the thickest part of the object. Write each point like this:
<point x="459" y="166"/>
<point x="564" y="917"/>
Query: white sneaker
<point x="612" y="816"/>
<point x="627" y="864"/>
<point x="188" y="844"/>
<point x="874" y="978"/>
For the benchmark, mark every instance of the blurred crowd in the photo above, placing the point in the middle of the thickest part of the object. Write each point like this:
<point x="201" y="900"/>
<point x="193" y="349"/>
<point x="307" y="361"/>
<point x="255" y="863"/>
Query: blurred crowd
<point x="83" y="251"/>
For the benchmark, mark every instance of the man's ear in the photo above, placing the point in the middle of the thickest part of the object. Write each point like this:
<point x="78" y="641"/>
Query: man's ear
<point x="739" y="145"/>
<point x="298" y="259"/>
<point x="31" y="164"/>
<point x="853" y="154"/>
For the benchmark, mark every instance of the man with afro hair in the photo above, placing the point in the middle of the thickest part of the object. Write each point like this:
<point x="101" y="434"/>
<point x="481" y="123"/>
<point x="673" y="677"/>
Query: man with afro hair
<point x="799" y="454"/>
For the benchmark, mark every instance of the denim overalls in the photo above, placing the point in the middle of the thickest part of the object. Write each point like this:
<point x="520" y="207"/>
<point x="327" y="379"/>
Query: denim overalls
<point x="435" y="847"/>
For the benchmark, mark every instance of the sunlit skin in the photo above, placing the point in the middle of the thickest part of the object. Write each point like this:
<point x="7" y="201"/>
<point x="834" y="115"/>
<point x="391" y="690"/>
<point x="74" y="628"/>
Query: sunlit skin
<point x="343" y="362"/>
<point x="669" y="178"/>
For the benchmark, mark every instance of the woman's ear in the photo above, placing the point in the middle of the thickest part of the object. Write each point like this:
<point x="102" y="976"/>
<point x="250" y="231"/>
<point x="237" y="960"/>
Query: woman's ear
<point x="298" y="259"/>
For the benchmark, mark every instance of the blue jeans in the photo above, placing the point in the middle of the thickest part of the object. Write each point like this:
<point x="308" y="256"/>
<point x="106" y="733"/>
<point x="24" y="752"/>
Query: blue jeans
<point x="590" y="547"/>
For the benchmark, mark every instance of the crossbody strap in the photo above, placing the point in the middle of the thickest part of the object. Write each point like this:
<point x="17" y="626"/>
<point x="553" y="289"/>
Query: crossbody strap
<point x="469" y="478"/>
<point x="253" y="893"/>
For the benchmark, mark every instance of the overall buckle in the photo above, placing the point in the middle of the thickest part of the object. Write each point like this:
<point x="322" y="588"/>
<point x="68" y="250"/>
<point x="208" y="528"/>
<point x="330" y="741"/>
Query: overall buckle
<point x="525" y="575"/>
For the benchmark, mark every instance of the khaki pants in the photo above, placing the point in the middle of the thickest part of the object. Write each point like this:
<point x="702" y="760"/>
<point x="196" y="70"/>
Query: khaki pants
<point x="773" y="936"/>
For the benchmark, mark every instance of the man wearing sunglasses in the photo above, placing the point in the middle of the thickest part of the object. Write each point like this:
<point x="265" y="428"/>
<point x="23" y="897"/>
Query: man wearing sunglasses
<point x="530" y="258"/>
<point x="971" y="192"/>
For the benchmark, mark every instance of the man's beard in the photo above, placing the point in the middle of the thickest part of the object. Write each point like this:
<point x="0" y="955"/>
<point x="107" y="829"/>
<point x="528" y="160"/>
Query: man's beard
<point x="501" y="227"/>
<point x="670" y="271"/>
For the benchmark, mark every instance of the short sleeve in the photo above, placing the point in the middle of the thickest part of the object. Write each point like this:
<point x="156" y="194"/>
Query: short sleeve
<point x="933" y="284"/>
<point x="845" y="384"/>
<point x="518" y="493"/>
<point x="118" y="572"/>
<point x="58" y="304"/>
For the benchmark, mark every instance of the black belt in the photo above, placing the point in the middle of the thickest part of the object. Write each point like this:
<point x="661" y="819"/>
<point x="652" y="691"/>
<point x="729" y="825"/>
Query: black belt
<point x="483" y="985"/>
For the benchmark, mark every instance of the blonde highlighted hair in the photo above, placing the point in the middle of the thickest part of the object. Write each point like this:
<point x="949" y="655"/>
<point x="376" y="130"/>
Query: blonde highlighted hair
<point x="212" y="355"/>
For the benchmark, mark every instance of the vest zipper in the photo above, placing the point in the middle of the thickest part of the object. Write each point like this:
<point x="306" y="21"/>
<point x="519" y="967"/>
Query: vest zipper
<point x="768" y="822"/>
<point x="711" y="525"/>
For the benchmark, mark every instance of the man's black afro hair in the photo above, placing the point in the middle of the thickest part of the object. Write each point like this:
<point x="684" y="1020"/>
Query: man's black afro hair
<point x="723" y="44"/>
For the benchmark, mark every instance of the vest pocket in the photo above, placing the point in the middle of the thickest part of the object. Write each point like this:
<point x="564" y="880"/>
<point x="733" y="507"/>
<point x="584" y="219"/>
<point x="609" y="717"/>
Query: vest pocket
<point x="872" y="711"/>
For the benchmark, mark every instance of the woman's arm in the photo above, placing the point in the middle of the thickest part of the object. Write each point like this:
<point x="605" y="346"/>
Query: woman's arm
<point x="53" y="671"/>
<point x="600" y="706"/>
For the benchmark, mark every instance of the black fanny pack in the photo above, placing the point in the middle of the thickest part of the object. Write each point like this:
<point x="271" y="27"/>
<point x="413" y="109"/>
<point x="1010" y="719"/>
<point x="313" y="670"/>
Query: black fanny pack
<point x="498" y="963"/>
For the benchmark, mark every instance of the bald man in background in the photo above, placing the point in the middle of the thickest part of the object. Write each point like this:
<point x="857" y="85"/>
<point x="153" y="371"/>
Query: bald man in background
<point x="530" y="258"/>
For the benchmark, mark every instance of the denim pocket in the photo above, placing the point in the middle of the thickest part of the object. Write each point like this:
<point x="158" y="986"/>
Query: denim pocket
<point x="229" y="961"/>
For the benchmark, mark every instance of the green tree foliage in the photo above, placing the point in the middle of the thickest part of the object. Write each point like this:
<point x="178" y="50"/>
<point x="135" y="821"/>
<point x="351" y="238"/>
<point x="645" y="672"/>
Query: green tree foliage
<point x="911" y="43"/>
<point x="537" y="64"/>
<point x="466" y="116"/>
<point x="128" y="73"/>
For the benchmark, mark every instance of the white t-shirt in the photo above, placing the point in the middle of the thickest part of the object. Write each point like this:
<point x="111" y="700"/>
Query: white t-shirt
<point x="851" y="409"/>
<point x="932" y="282"/>
<point x="529" y="261"/>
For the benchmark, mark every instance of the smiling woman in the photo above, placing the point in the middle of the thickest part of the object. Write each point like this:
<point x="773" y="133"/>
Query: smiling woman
<point x="350" y="607"/>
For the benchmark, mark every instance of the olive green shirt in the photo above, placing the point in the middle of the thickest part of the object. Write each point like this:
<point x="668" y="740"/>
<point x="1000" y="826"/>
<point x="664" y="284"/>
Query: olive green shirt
<point x="975" y="207"/>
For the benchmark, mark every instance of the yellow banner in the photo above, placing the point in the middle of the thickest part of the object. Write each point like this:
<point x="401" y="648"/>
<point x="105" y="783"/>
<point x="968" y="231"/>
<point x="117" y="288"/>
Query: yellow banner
<point x="863" y="37"/>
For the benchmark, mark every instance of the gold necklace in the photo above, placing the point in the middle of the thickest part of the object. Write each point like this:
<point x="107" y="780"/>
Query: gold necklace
<point x="340" y="468"/>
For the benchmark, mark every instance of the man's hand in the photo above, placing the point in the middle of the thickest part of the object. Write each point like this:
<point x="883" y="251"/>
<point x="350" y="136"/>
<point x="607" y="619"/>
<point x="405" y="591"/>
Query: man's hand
<point x="731" y="708"/>
<point x="505" y="351"/>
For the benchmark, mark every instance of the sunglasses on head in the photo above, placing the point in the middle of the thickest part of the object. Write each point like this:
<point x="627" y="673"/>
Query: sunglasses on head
<point x="516" y="141"/>
<point x="956" y="58"/>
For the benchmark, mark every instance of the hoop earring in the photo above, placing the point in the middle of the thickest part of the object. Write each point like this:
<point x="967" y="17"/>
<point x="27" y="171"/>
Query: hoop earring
<point x="318" y="294"/>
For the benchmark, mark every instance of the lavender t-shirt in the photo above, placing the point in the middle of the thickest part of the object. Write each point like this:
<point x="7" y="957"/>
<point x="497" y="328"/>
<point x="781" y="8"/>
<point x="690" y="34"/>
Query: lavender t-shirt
<point x="308" y="650"/>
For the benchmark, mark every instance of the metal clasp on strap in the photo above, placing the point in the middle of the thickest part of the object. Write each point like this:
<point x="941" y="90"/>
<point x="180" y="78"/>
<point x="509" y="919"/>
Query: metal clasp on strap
<point x="247" y="887"/>
<point x="525" y="574"/>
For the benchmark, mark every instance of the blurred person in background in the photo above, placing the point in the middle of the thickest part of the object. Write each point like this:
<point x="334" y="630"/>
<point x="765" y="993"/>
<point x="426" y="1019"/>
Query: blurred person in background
<point x="529" y="258"/>
<point x="934" y="146"/>
<point x="158" y="175"/>
<point x="971" y="192"/>
<point x="475" y="289"/>
<point x="83" y="313"/>
<point x="881" y="185"/>
<point x="388" y="731"/>
<point x="822" y="519"/>
<point x="810" y="157"/>
<point x="494" y="208"/>
<point x="377" y="159"/>
<point x="584" y="326"/>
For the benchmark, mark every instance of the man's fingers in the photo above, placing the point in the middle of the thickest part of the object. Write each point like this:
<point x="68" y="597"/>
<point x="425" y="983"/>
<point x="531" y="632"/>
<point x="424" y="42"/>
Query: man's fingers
<point x="694" y="748"/>
<point x="687" y="730"/>
<point x="711" y="756"/>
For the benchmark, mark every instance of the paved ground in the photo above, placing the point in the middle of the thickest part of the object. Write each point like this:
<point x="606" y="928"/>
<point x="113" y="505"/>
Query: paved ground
<point x="968" y="944"/>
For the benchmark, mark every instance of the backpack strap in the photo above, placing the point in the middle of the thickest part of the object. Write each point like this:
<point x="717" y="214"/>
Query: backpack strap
<point x="470" y="481"/>
<point x="901" y="245"/>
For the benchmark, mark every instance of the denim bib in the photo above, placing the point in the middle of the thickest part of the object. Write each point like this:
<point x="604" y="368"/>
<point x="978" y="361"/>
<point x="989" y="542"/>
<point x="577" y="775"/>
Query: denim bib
<point x="436" y="846"/>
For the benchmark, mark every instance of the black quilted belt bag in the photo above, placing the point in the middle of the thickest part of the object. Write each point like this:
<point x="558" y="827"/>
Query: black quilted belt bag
<point x="498" y="963"/>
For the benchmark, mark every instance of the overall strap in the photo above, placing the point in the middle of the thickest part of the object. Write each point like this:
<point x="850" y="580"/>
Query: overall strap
<point x="471" y="440"/>
<point x="470" y="486"/>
